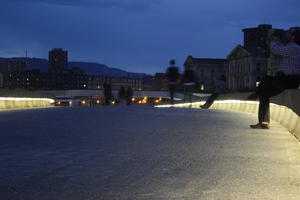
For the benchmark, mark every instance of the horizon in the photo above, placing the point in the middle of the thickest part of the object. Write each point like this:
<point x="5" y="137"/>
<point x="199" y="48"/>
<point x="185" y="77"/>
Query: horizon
<point x="71" y="61"/>
<point x="136" y="36"/>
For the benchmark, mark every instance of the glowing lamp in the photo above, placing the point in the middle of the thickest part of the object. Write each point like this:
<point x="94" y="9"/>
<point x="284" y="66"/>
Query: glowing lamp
<point x="202" y="87"/>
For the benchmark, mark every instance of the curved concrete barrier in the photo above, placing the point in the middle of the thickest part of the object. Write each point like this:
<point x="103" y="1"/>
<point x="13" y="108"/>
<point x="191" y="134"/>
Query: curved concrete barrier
<point x="8" y="103"/>
<point x="282" y="114"/>
<point x="284" y="108"/>
<point x="24" y="99"/>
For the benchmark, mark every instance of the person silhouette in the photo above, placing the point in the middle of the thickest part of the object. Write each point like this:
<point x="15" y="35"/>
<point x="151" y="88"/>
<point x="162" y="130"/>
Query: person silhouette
<point x="220" y="87"/>
<point x="129" y="94"/>
<point x="107" y="93"/>
<point x="287" y="77"/>
<point x="172" y="75"/>
<point x="122" y="95"/>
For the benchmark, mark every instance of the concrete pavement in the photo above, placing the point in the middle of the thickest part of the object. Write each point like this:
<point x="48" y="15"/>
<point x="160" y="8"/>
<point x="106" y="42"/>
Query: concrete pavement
<point x="144" y="153"/>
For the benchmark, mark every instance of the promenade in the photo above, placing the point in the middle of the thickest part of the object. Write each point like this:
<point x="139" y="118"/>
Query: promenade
<point x="140" y="152"/>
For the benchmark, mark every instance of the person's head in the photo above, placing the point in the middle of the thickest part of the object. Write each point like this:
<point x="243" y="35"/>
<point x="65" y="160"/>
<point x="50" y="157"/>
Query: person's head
<point x="172" y="62"/>
<point x="293" y="35"/>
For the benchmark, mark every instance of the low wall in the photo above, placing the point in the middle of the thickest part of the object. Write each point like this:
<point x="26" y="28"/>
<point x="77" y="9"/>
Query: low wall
<point x="23" y="99"/>
<point x="284" y="108"/>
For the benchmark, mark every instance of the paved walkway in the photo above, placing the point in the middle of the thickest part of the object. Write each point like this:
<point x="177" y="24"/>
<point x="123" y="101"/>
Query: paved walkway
<point x="144" y="153"/>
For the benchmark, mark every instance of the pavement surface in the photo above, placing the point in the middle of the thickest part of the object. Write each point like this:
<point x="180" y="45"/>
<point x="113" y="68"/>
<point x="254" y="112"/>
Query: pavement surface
<point x="148" y="153"/>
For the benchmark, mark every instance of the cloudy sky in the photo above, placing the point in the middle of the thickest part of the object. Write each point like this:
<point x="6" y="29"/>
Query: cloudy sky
<point x="136" y="35"/>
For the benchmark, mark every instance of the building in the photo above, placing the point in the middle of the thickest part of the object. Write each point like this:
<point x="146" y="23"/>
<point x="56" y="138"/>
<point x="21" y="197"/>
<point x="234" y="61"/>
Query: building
<point x="96" y="82"/>
<point x="249" y="63"/>
<point x="76" y="78"/>
<point x="13" y="74"/>
<point x="12" y="65"/>
<point x="8" y="68"/>
<point x="28" y="79"/>
<point x="160" y="82"/>
<point x="134" y="83"/>
<point x="148" y="82"/>
<point x="206" y="71"/>
<point x="252" y="61"/>
<point x="257" y="37"/>
<point x="246" y="68"/>
<point x="58" y="61"/>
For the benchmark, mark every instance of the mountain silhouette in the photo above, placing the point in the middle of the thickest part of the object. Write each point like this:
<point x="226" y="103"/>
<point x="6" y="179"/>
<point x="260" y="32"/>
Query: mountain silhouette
<point x="91" y="68"/>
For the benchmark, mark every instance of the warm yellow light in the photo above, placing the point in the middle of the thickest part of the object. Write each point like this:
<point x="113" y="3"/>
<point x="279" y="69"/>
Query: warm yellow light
<point x="145" y="98"/>
<point x="25" y="99"/>
<point x="83" y="102"/>
<point x="58" y="103"/>
<point x="202" y="102"/>
<point x="257" y="83"/>
<point x="133" y="99"/>
<point x="157" y="101"/>
<point x="113" y="102"/>
<point x="98" y="101"/>
<point x="70" y="102"/>
<point x="202" y="87"/>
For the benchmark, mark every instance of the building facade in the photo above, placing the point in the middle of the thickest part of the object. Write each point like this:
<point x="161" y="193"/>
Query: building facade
<point x="256" y="37"/>
<point x="160" y="82"/>
<point x="206" y="71"/>
<point x="8" y="68"/>
<point x="252" y="61"/>
<point x="73" y="80"/>
<point x="13" y="74"/>
<point x="58" y="61"/>
<point x="97" y="82"/>
<point x="245" y="68"/>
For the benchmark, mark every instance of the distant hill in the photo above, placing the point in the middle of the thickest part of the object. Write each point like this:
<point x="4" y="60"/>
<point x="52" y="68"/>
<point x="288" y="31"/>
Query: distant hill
<point x="89" y="67"/>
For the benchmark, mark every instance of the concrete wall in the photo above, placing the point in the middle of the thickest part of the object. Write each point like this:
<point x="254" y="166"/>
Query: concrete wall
<point x="284" y="108"/>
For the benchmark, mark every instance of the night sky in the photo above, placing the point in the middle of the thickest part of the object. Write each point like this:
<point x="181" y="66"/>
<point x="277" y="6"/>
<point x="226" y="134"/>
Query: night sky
<point x="136" y="35"/>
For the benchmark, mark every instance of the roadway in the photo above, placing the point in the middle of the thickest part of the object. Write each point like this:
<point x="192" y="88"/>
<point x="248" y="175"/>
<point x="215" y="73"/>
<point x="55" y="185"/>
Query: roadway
<point x="141" y="152"/>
